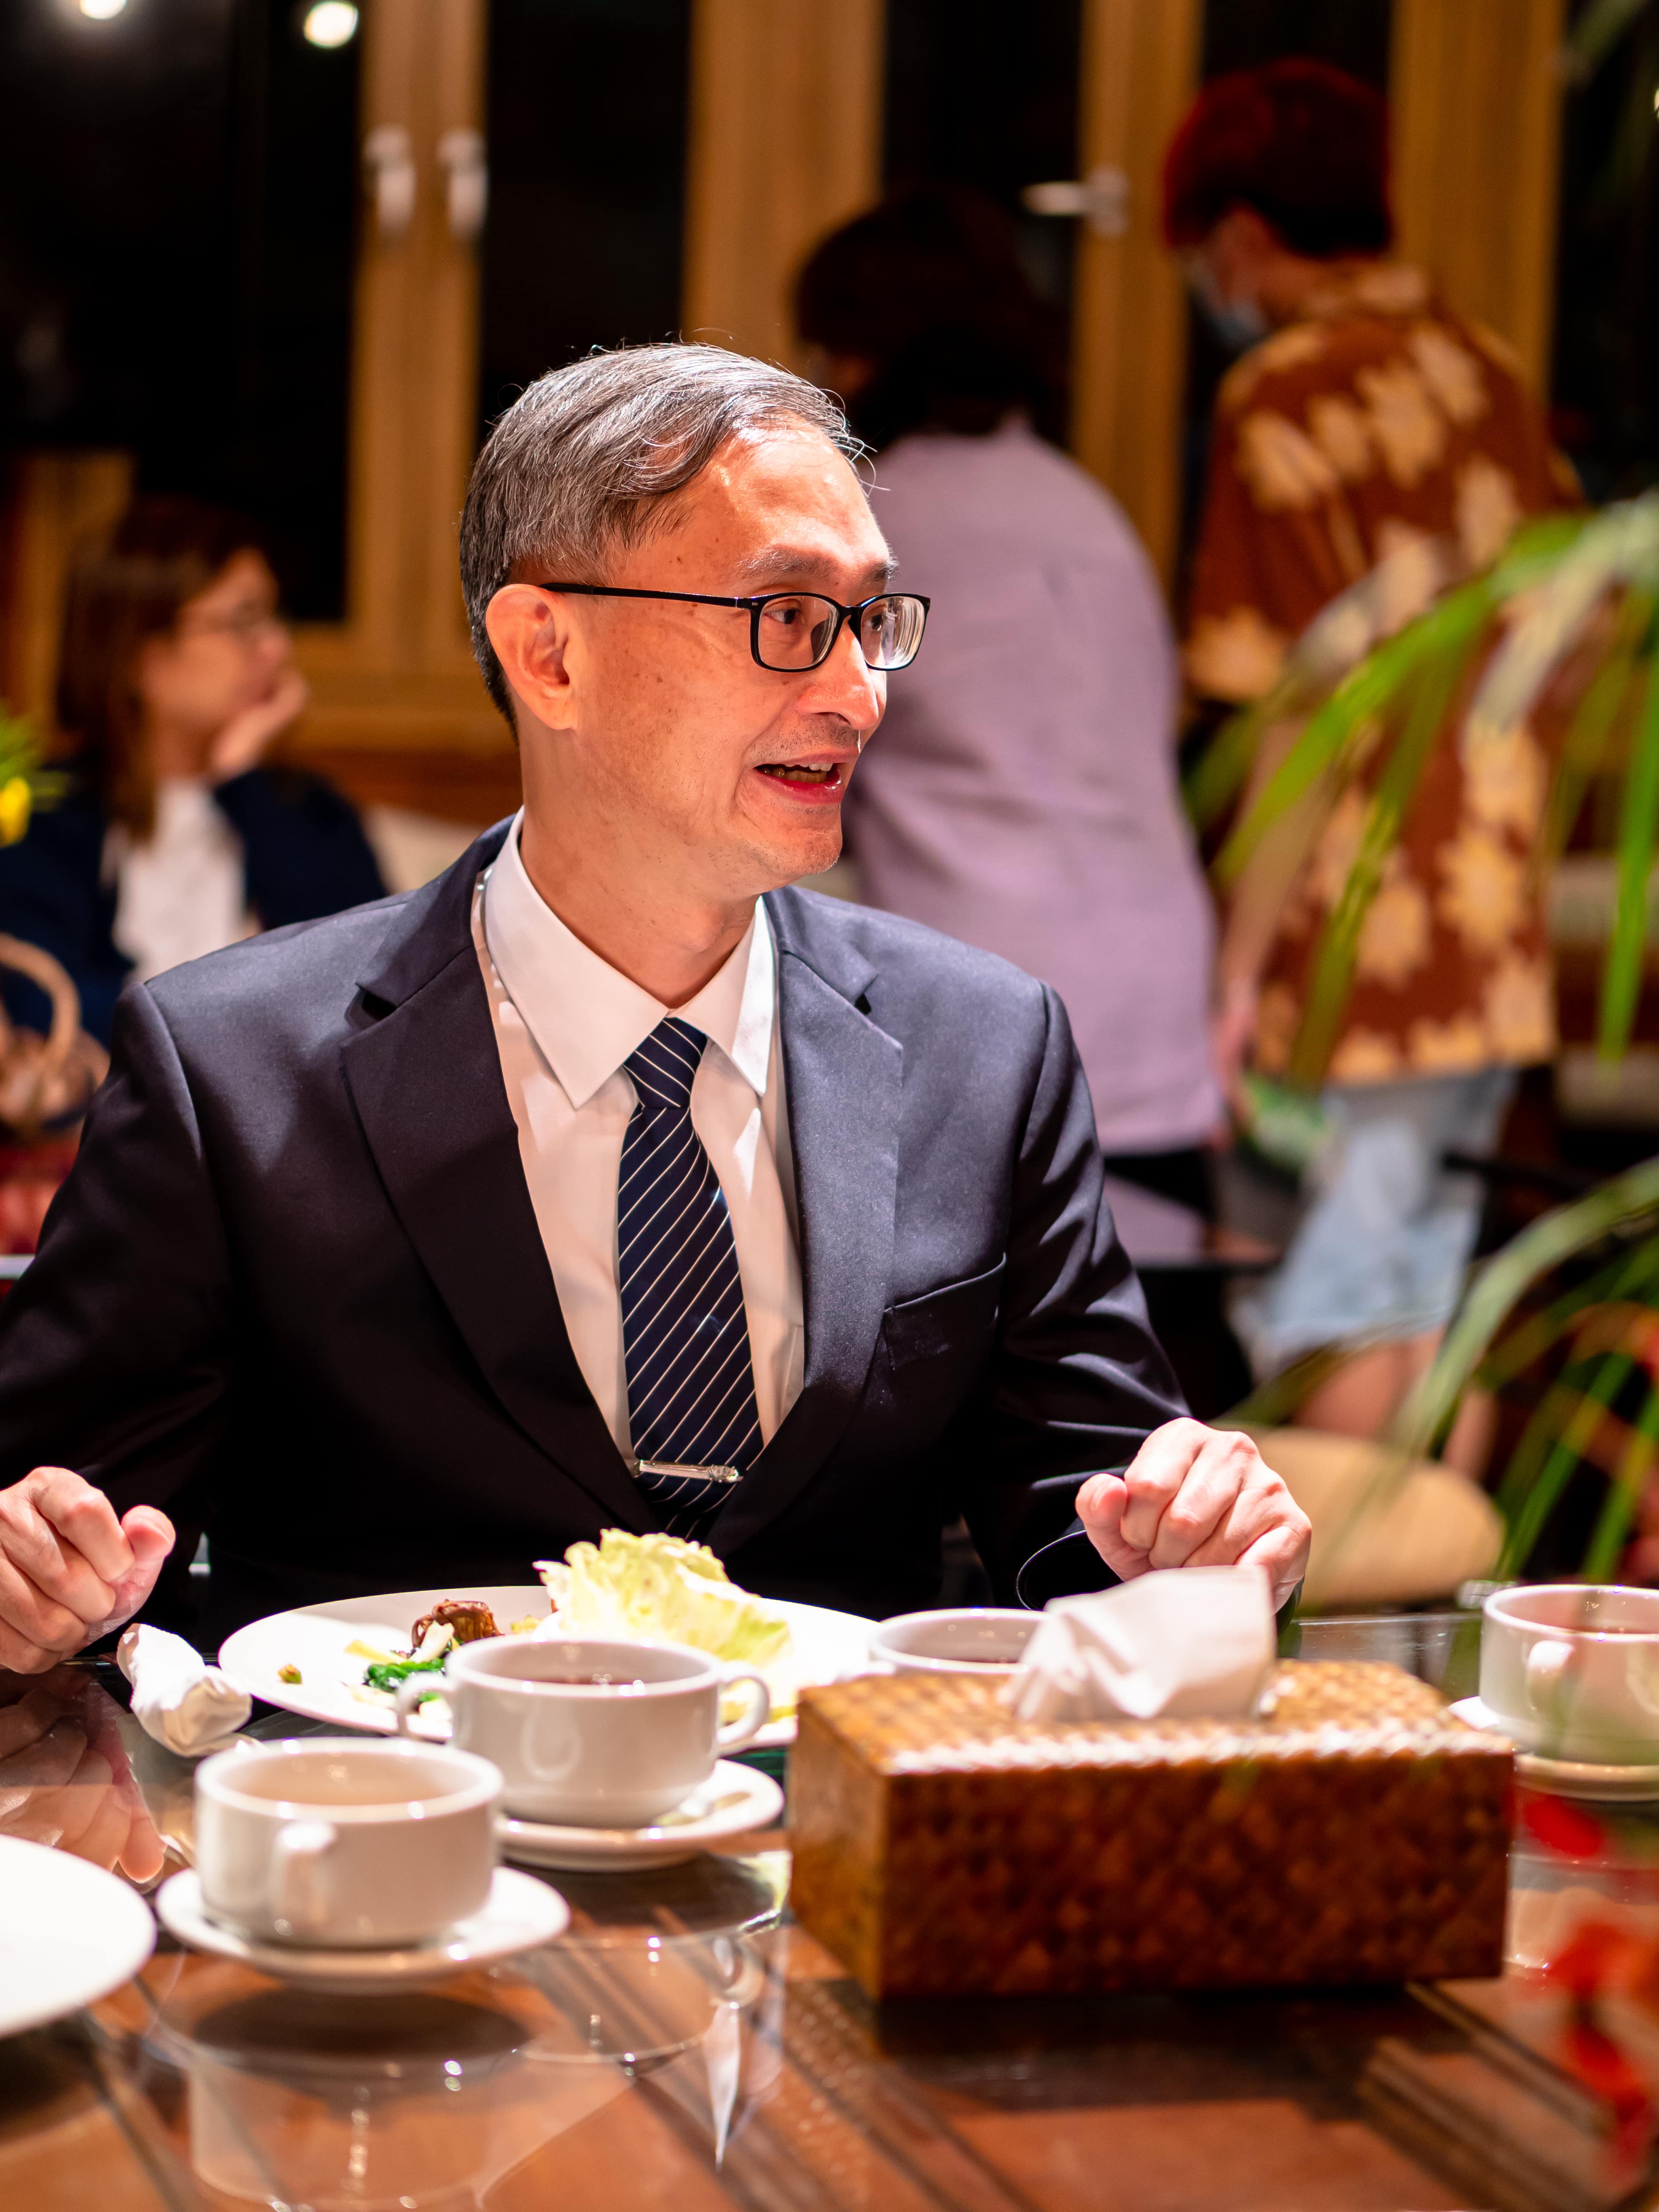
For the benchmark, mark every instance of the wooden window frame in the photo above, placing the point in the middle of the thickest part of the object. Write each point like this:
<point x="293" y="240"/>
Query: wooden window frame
<point x="785" y="138"/>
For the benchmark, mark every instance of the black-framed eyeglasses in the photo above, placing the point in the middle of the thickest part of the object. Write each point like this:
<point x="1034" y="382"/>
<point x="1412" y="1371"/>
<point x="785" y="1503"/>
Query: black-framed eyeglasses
<point x="789" y="631"/>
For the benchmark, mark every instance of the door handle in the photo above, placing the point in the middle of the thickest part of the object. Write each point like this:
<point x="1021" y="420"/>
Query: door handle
<point x="389" y="174"/>
<point x="1101" y="198"/>
<point x="466" y="194"/>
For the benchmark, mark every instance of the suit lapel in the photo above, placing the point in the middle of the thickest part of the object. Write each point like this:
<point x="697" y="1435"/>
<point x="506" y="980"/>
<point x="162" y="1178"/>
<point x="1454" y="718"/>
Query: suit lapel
<point x="426" y="1080"/>
<point x="842" y="1081"/>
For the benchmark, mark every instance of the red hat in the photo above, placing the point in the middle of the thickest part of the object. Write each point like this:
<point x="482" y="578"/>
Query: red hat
<point x="1302" y="143"/>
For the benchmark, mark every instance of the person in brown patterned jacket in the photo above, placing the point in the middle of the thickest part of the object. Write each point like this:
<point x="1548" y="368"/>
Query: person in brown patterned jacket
<point x="1368" y="428"/>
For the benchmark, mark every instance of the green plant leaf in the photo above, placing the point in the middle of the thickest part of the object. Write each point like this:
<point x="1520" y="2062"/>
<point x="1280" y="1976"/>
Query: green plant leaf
<point x="1461" y="621"/>
<point x="1626" y="1201"/>
<point x="1591" y="726"/>
<point x="1364" y="696"/>
<point x="1530" y="1510"/>
<point x="1633" y="1277"/>
<point x="1223" y="768"/>
<point x="1274" y="1401"/>
<point x="1619" y="1508"/>
<point x="1553" y="594"/>
<point x="1638" y="838"/>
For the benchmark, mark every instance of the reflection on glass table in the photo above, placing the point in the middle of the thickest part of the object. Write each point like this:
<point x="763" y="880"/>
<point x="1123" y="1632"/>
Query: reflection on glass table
<point x="1441" y="1649"/>
<point x="433" y="2098"/>
<point x="685" y="2046"/>
<point x="65" y="1779"/>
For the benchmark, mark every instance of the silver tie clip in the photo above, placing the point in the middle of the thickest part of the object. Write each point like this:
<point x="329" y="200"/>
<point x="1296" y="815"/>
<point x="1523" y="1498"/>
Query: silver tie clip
<point x="689" y="1473"/>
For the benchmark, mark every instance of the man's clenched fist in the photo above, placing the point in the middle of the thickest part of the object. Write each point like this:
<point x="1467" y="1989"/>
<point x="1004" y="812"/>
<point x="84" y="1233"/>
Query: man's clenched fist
<point x="1194" y="1497"/>
<point x="69" y="1569"/>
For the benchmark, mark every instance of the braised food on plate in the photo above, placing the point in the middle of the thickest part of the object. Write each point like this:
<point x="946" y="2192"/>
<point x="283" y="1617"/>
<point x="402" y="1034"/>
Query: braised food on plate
<point x="654" y="1587"/>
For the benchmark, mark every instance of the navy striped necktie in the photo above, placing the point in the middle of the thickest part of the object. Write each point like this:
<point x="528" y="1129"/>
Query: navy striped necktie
<point x="691" y="1409"/>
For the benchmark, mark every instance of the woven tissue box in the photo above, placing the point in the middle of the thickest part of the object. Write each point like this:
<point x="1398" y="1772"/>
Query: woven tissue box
<point x="1355" y="1832"/>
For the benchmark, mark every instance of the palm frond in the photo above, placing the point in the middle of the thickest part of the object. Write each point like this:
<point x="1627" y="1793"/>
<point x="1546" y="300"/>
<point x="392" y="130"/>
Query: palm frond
<point x="1612" y="1524"/>
<point x="1638" y="837"/>
<point x="1456" y="625"/>
<point x="1626" y="1203"/>
<point x="1591" y="726"/>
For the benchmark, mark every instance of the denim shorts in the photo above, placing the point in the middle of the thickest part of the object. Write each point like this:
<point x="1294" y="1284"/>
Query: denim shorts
<point x="1386" y="1234"/>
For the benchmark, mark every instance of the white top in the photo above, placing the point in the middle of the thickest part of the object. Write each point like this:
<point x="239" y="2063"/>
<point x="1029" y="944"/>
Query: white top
<point x="1021" y="792"/>
<point x="183" y="892"/>
<point x="565" y="1022"/>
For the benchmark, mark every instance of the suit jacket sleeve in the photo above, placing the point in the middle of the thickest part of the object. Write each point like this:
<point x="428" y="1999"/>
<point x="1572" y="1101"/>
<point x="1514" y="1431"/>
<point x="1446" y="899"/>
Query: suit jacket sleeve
<point x="115" y="1347"/>
<point x="1077" y="1379"/>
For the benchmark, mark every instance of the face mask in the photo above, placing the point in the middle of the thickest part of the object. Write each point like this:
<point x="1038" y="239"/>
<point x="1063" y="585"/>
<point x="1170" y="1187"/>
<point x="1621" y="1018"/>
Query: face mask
<point x="1237" y="324"/>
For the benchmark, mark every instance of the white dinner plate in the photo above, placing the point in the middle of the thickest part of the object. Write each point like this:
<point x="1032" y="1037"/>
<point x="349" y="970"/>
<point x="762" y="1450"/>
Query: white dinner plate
<point x="68" y="1933"/>
<point x="520" y="1914"/>
<point x="734" y="1800"/>
<point x="828" y="1648"/>
<point x="1568" y="1777"/>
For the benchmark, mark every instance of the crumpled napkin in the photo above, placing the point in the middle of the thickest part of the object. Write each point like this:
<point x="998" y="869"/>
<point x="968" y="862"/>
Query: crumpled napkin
<point x="177" y="1698"/>
<point x="1195" y="1642"/>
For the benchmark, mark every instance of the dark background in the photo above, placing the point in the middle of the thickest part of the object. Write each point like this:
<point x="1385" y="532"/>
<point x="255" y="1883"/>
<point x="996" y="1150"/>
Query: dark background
<point x="1605" y="384"/>
<point x="979" y="93"/>
<point x="178" y="208"/>
<point x="179" y="204"/>
<point x="585" y="125"/>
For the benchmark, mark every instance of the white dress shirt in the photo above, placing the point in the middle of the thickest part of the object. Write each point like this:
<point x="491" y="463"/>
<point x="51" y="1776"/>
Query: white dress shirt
<point x="565" y="1022"/>
<point x="182" y="892"/>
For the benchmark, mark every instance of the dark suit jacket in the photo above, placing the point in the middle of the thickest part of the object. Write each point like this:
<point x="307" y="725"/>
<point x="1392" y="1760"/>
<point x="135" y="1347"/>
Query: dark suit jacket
<point x="293" y="1290"/>
<point x="304" y="855"/>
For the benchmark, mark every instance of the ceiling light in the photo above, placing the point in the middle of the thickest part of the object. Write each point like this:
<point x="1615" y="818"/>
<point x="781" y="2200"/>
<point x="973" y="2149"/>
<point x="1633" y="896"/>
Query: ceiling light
<point x="102" y="10"/>
<point x="327" y="23"/>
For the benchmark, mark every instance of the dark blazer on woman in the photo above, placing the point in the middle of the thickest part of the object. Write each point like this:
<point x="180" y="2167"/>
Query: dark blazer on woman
<point x="304" y="855"/>
<point x="294" y="1292"/>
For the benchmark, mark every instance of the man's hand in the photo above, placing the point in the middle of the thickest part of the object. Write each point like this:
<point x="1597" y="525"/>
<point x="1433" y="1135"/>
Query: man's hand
<point x="69" y="1569"/>
<point x="1195" y="1497"/>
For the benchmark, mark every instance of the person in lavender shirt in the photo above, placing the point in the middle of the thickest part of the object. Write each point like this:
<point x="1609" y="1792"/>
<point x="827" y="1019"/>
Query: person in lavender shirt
<point x="1021" y="793"/>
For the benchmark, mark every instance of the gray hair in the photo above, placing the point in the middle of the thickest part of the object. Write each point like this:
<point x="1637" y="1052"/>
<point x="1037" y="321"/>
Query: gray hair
<point x="577" y="468"/>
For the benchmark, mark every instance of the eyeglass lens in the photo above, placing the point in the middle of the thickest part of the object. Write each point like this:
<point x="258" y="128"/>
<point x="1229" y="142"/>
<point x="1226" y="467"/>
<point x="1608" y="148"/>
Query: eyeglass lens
<point x="243" y="623"/>
<point x="796" y="630"/>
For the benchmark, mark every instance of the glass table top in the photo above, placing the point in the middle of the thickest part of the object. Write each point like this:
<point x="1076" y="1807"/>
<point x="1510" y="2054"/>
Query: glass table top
<point x="685" y="2045"/>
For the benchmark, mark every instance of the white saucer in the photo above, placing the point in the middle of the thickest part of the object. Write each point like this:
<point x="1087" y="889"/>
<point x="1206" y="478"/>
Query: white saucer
<point x="1569" y="1778"/>
<point x="68" y="1933"/>
<point x="519" y="1913"/>
<point x="733" y="1800"/>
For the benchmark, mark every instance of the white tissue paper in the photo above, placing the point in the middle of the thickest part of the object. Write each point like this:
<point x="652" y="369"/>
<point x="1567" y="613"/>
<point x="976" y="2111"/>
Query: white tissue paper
<point x="177" y="1698"/>
<point x="1195" y="1642"/>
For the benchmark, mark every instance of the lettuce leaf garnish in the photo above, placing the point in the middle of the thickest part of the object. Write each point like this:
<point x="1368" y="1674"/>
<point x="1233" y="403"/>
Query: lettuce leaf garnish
<point x="663" y="1588"/>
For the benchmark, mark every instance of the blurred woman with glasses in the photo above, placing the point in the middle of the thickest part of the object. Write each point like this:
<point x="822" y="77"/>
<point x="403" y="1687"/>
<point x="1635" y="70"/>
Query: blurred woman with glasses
<point x="1021" y="792"/>
<point x="172" y="839"/>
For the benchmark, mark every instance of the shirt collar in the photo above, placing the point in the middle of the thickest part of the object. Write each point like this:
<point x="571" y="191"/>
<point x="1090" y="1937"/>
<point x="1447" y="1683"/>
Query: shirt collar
<point x="586" y="1017"/>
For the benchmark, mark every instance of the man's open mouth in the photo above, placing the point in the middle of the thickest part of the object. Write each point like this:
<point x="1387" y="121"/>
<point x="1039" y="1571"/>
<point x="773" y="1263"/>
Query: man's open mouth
<point x="798" y="772"/>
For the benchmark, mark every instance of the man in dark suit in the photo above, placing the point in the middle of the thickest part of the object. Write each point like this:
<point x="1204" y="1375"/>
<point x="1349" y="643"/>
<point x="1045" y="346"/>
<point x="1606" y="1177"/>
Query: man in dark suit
<point x="604" y="1183"/>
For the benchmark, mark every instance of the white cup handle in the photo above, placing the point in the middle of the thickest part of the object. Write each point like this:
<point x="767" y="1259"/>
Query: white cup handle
<point x="736" y="1734"/>
<point x="408" y="1694"/>
<point x="296" y="1885"/>
<point x="1546" y="1662"/>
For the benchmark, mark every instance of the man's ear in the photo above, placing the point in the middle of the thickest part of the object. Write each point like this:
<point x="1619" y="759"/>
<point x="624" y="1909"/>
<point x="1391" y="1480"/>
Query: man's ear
<point x="530" y="629"/>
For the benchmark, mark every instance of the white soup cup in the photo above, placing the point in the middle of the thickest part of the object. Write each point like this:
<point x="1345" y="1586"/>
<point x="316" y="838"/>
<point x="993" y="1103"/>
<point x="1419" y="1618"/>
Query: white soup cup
<point x="969" y="1640"/>
<point x="591" y="1732"/>
<point x="331" y="1841"/>
<point x="1571" y="1670"/>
